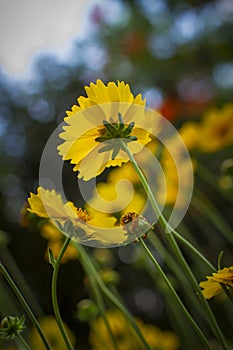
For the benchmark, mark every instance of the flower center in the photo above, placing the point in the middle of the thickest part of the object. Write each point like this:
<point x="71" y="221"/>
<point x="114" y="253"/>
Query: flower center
<point x="112" y="135"/>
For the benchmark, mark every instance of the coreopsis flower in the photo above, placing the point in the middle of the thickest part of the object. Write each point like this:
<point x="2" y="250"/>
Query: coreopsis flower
<point x="52" y="333"/>
<point x="212" y="286"/>
<point x="76" y="223"/>
<point x="216" y="129"/>
<point x="71" y="220"/>
<point x="125" y="336"/>
<point x="98" y="125"/>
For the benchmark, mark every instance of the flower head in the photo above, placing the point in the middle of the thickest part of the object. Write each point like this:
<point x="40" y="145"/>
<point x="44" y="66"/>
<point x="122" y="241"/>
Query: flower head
<point x="99" y="125"/>
<point x="212" y="286"/>
<point x="71" y="220"/>
<point x="76" y="223"/>
<point x="216" y="129"/>
<point x="11" y="326"/>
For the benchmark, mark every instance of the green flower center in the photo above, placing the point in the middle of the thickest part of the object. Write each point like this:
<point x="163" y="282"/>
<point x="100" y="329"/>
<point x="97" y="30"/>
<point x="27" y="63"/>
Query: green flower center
<point x="113" y="134"/>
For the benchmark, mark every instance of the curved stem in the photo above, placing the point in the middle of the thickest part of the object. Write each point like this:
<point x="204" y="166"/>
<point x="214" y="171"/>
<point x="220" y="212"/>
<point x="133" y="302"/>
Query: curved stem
<point x="25" y="306"/>
<point x="56" y="267"/>
<point x="173" y="292"/>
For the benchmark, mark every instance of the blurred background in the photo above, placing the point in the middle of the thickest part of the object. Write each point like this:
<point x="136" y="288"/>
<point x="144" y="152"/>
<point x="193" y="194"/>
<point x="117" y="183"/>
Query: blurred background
<point x="178" y="54"/>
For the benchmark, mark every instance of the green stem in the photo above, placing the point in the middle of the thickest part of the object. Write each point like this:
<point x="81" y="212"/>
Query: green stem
<point x="204" y="206"/>
<point x="25" y="306"/>
<point x="194" y="304"/>
<point x="196" y="287"/>
<point x="173" y="292"/>
<point x="92" y="271"/>
<point x="194" y="250"/>
<point x="57" y="314"/>
<point x="211" y="179"/>
<point x="170" y="232"/>
<point x="19" y="279"/>
<point x="23" y="341"/>
<point x="99" y="301"/>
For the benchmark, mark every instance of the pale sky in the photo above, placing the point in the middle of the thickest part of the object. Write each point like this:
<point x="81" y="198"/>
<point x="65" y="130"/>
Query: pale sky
<point x="27" y="26"/>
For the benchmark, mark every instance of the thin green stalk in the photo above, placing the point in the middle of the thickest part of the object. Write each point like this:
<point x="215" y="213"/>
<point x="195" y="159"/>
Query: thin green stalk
<point x="194" y="250"/>
<point x="228" y="292"/>
<point x="110" y="295"/>
<point x="196" y="287"/>
<point x="99" y="301"/>
<point x="19" y="279"/>
<point x="23" y="341"/>
<point x="177" y="271"/>
<point x="169" y="232"/>
<point x="194" y="304"/>
<point x="211" y="179"/>
<point x="158" y="213"/>
<point x="173" y="292"/>
<point x="57" y="314"/>
<point x="25" y="306"/>
<point x="204" y="206"/>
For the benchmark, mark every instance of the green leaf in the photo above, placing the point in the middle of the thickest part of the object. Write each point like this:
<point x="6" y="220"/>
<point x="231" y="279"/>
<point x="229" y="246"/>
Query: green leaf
<point x="52" y="259"/>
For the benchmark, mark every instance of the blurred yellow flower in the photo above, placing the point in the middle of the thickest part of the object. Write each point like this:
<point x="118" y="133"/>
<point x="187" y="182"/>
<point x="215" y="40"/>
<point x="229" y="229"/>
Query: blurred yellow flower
<point x="92" y="139"/>
<point x="126" y="171"/>
<point x="212" y="286"/>
<point x="190" y="132"/>
<point x="125" y="335"/>
<point x="112" y="200"/>
<point x="216" y="129"/>
<point x="177" y="176"/>
<point x="52" y="333"/>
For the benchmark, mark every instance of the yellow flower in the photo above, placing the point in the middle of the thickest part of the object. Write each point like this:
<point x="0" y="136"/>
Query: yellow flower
<point x="98" y="124"/>
<point x="55" y="242"/>
<point x="212" y="286"/>
<point x="76" y="223"/>
<point x="52" y="333"/>
<point x="111" y="201"/>
<point x="176" y="176"/>
<point x="125" y="335"/>
<point x="49" y="204"/>
<point x="216" y="129"/>
<point x="126" y="171"/>
<point x="190" y="132"/>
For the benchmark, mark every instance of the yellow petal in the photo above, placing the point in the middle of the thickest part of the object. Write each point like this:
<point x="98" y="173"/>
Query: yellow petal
<point x="210" y="288"/>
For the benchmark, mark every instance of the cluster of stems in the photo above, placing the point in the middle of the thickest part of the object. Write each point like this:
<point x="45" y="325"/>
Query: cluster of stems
<point x="101" y="291"/>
